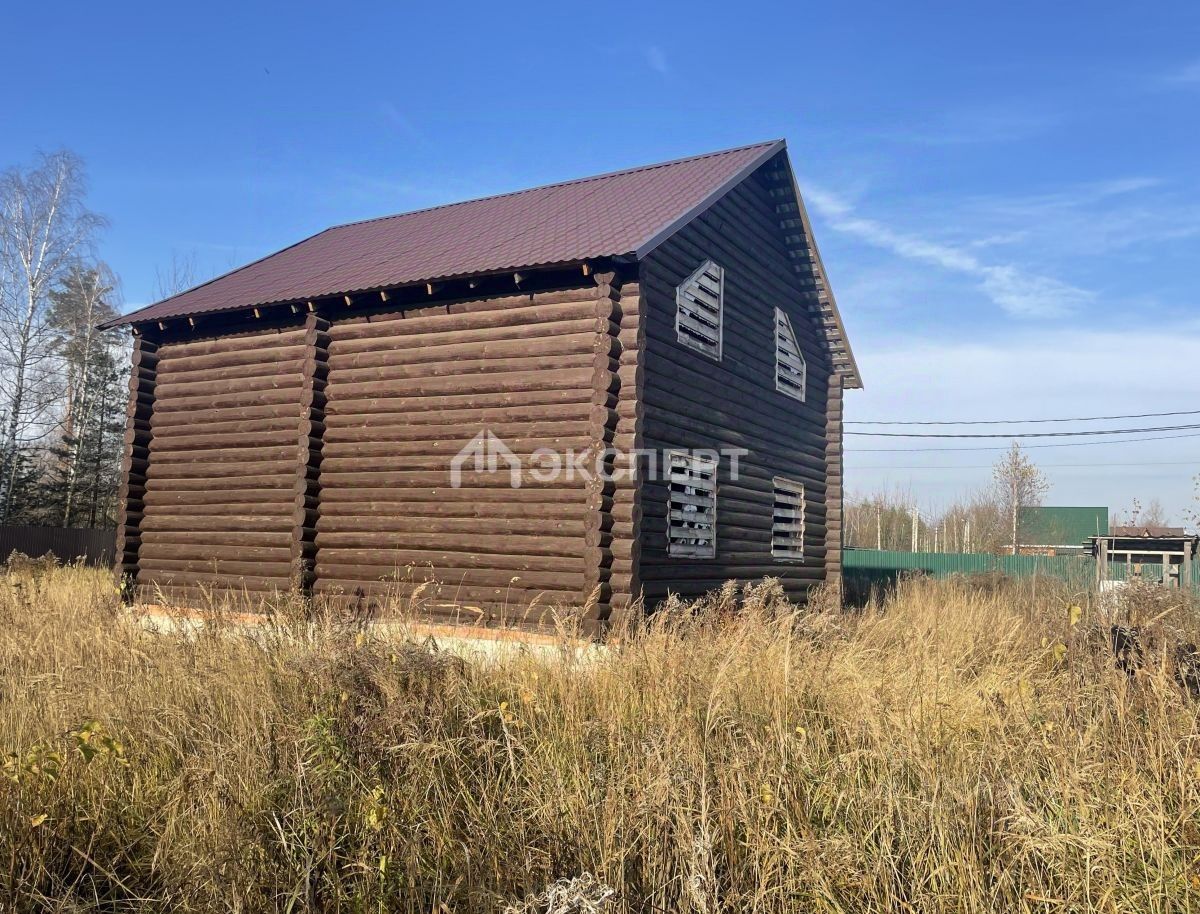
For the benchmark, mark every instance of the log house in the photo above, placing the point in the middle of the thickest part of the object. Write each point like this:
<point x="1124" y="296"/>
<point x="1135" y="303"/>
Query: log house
<point x="292" y="424"/>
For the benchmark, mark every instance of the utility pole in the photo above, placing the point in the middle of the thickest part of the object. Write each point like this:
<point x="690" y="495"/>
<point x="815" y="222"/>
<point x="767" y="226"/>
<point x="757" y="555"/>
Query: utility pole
<point x="916" y="520"/>
<point x="879" y="528"/>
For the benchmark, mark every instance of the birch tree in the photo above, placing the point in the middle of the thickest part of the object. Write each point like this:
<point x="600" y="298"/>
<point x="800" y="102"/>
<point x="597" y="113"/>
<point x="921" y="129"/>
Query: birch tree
<point x="1018" y="484"/>
<point x="44" y="229"/>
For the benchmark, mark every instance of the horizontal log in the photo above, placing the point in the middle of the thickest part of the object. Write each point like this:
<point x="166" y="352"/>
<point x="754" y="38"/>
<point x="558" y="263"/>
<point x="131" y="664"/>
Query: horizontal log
<point x="662" y="399"/>
<point x="143" y="360"/>
<point x="494" y="382"/>
<point x="279" y="480"/>
<point x="264" y="433"/>
<point x="257" y="340"/>
<point x="149" y="577"/>
<point x="236" y="399"/>
<point x="537" y="319"/>
<point x="396" y="372"/>
<point x="229" y="459"/>
<point x="375" y="503"/>
<point x="224" y="419"/>
<point x="231" y="364"/>
<point x="661" y="436"/>
<point x="218" y="568"/>
<point x="275" y="522"/>
<point x="466" y="304"/>
<point x="387" y="561"/>
<point x="483" y="352"/>
<point x="437" y="455"/>
<point x="217" y="472"/>
<point x="597" y="326"/>
<point x="253" y="452"/>
<point x="440" y="479"/>
<point x="206" y="557"/>
<point x="449" y="541"/>
<point x="461" y="603"/>
<point x="202" y="538"/>
<point x="413" y="407"/>
<point x="439" y="423"/>
<point x="517" y="582"/>
<point x="142" y="383"/>
<point x="220" y="501"/>
<point x="480" y="525"/>
<point x="219" y="385"/>
<point x="349" y="439"/>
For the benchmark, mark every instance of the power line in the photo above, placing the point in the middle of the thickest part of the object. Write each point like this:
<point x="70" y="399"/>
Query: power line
<point x="988" y="466"/>
<point x="917" y="450"/>
<point x="1074" y="434"/>
<point x="1184" y="412"/>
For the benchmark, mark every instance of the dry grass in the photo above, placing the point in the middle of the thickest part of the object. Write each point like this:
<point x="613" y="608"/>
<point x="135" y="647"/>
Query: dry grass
<point x="955" y="750"/>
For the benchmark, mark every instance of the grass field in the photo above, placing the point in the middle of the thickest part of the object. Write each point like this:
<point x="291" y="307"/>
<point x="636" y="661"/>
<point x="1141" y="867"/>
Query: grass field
<point x="958" y="749"/>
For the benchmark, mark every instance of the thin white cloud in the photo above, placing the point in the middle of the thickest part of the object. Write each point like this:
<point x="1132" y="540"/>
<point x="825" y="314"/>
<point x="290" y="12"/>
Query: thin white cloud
<point x="1086" y="219"/>
<point x="1186" y="75"/>
<point x="656" y="58"/>
<point x="1014" y="289"/>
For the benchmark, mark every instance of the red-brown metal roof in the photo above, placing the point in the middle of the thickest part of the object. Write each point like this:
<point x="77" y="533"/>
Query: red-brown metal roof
<point x="625" y="212"/>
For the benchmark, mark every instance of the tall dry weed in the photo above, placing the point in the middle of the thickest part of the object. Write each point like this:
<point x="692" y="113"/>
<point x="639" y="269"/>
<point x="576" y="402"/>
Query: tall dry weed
<point x="954" y="749"/>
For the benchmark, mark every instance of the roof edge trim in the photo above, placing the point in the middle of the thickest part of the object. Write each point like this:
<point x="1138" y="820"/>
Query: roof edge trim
<point x="852" y="378"/>
<point x="664" y="232"/>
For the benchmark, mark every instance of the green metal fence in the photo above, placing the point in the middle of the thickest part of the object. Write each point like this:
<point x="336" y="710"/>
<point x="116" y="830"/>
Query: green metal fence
<point x="868" y="569"/>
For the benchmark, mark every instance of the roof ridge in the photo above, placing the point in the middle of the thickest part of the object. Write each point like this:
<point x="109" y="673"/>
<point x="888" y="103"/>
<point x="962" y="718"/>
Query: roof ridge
<point x="569" y="183"/>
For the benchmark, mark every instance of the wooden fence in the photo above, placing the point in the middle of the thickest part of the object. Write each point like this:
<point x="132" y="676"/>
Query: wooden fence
<point x="96" y="547"/>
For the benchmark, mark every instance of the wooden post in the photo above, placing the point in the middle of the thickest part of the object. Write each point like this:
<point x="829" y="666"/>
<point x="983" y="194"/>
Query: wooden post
<point x="310" y="435"/>
<point x="627" y="419"/>
<point x="131" y="496"/>
<point x="598" y="523"/>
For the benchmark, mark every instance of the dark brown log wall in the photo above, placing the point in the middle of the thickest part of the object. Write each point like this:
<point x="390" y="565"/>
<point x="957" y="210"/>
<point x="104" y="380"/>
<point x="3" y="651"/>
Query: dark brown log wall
<point x="692" y="401"/>
<point x="219" y="466"/>
<point x="407" y="390"/>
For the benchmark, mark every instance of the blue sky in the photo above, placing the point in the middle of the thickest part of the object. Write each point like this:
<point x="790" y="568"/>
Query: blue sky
<point x="1007" y="197"/>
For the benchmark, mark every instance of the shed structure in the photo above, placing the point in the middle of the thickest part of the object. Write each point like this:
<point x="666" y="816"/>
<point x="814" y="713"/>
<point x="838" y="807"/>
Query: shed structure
<point x="378" y="408"/>
<point x="1170" y="551"/>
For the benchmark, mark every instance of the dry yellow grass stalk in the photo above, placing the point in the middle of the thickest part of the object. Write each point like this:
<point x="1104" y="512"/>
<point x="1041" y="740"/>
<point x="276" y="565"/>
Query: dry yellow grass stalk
<point x="953" y="750"/>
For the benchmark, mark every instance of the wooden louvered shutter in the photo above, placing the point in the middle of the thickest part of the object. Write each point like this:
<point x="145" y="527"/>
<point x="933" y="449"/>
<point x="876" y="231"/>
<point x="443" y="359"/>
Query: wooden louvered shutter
<point x="692" y="509"/>
<point x="791" y="372"/>
<point x="787" y="523"/>
<point x="698" y="305"/>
